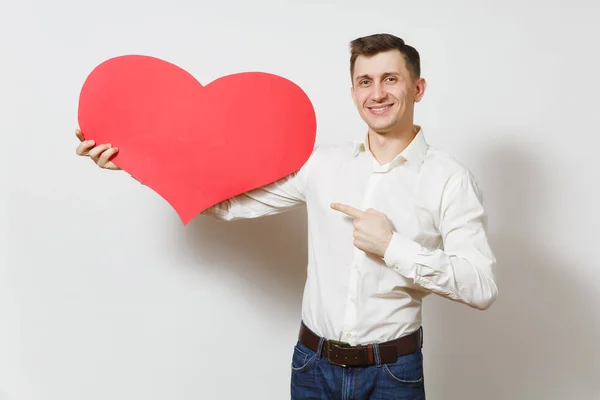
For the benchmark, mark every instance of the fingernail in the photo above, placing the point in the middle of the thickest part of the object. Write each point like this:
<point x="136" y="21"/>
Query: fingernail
<point x="108" y="145"/>
<point x="116" y="149"/>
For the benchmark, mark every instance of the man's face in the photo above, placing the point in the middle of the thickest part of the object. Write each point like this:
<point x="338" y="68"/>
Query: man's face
<point x="384" y="91"/>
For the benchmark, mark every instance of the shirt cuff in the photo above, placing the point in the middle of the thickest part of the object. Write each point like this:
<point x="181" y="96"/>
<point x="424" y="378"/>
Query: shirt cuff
<point x="401" y="255"/>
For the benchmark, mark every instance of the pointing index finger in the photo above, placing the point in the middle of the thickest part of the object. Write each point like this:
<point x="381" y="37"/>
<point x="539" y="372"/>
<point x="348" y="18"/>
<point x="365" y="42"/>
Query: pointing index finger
<point x="348" y="210"/>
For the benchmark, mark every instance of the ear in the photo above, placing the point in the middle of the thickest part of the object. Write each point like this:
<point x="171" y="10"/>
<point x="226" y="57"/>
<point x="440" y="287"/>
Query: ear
<point x="420" y="86"/>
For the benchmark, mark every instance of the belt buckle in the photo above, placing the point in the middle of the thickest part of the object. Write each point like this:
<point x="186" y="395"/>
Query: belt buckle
<point x="339" y="344"/>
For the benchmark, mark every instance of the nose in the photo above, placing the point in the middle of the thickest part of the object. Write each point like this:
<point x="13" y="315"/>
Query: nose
<point x="378" y="93"/>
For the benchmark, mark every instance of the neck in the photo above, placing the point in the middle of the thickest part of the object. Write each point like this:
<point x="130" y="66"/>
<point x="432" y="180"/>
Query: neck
<point x="385" y="146"/>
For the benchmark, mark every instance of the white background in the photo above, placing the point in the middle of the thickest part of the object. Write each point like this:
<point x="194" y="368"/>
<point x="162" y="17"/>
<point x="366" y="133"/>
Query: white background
<point x="104" y="293"/>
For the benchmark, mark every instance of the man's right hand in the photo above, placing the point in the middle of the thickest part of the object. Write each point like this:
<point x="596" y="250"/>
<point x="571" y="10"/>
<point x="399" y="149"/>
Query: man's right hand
<point x="100" y="154"/>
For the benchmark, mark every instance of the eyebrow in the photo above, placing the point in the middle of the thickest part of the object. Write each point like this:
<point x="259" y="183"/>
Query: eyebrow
<point x="384" y="75"/>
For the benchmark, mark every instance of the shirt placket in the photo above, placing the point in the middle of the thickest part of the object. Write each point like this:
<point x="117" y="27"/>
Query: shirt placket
<point x="352" y="318"/>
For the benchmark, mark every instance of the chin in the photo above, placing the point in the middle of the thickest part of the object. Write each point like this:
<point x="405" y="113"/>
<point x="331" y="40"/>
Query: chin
<point x="381" y="127"/>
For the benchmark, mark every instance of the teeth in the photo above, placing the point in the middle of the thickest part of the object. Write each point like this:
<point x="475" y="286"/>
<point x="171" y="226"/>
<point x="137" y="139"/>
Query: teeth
<point x="380" y="109"/>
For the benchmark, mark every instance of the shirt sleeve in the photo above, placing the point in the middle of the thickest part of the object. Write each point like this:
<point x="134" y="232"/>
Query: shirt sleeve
<point x="464" y="270"/>
<point x="282" y="195"/>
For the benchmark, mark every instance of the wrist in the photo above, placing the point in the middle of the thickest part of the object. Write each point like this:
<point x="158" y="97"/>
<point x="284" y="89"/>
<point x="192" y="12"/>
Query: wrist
<point x="386" y="244"/>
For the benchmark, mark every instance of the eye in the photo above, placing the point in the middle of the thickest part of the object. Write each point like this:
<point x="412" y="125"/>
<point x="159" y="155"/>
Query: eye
<point x="392" y="79"/>
<point x="363" y="82"/>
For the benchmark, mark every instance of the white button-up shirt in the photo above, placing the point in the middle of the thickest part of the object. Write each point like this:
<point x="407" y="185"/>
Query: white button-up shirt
<point x="439" y="243"/>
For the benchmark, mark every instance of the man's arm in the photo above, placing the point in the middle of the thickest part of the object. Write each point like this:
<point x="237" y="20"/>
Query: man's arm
<point x="464" y="270"/>
<point x="277" y="197"/>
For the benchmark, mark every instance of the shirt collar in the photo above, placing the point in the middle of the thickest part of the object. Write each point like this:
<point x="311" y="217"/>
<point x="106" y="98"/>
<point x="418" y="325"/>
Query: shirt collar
<point x="413" y="154"/>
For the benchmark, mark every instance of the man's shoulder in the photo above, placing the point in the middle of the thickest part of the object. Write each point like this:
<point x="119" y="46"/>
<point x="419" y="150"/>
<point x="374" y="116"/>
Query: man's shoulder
<point x="326" y="154"/>
<point x="445" y="165"/>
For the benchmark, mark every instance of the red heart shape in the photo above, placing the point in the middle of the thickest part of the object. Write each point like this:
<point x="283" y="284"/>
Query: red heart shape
<point x="196" y="145"/>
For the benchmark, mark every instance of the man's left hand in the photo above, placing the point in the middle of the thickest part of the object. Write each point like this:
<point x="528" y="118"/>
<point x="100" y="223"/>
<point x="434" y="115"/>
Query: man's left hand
<point x="372" y="229"/>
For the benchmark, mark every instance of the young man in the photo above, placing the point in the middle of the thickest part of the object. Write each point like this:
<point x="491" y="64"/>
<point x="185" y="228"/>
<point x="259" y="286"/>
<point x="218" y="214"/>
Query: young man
<point x="390" y="220"/>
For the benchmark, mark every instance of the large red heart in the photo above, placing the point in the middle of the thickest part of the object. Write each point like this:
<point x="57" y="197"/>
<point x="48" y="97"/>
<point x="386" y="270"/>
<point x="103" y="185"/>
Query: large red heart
<point x="196" y="145"/>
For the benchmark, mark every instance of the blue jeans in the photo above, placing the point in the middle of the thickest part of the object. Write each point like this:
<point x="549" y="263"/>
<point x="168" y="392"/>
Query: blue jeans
<point x="314" y="378"/>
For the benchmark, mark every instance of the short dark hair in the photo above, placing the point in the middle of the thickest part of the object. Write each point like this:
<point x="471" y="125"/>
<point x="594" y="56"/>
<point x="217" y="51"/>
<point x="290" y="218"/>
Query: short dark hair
<point x="373" y="44"/>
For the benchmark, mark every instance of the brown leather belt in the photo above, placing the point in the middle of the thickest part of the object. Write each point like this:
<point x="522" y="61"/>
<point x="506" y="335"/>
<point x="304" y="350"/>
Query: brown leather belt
<point x="344" y="355"/>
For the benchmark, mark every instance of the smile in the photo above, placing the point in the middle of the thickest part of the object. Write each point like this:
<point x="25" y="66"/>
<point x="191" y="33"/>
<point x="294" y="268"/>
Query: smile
<point x="380" y="109"/>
